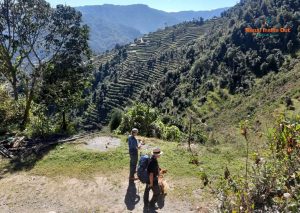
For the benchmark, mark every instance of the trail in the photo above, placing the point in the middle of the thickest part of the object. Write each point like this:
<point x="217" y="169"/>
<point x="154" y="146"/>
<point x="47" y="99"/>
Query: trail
<point x="28" y="193"/>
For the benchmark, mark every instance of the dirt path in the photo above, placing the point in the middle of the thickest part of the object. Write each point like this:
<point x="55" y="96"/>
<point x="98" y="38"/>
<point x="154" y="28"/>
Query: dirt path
<point x="26" y="193"/>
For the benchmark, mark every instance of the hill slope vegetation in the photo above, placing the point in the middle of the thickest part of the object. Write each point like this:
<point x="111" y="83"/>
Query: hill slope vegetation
<point x="179" y="67"/>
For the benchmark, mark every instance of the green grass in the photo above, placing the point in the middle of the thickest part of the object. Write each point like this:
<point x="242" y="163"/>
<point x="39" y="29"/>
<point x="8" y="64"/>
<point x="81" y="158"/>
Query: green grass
<point x="74" y="161"/>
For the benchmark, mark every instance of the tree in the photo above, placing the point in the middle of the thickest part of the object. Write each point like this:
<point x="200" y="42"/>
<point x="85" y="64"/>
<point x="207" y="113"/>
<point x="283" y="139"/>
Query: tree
<point x="116" y="119"/>
<point x="33" y="37"/>
<point x="20" y="24"/>
<point x="65" y="79"/>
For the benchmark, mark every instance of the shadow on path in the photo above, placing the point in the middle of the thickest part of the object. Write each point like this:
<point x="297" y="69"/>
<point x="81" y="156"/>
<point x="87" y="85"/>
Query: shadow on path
<point x="131" y="197"/>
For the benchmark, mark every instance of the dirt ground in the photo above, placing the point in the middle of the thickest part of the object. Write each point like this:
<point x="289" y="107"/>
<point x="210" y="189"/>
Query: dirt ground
<point x="27" y="193"/>
<point x="102" y="143"/>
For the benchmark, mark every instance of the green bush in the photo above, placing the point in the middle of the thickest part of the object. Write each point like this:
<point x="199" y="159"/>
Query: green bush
<point x="39" y="124"/>
<point x="116" y="119"/>
<point x="273" y="184"/>
<point x="148" y="122"/>
<point x="10" y="111"/>
<point x="199" y="136"/>
<point x="139" y="116"/>
<point x="172" y="133"/>
<point x="158" y="128"/>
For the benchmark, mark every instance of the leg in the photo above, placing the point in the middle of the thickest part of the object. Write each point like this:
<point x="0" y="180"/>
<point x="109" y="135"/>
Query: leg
<point x="156" y="192"/>
<point x="133" y="163"/>
<point x="146" y="195"/>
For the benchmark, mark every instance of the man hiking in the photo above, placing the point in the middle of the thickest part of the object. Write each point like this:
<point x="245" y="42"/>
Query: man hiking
<point x="153" y="171"/>
<point x="133" y="145"/>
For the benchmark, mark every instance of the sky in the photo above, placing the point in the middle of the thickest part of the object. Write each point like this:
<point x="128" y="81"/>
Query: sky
<point x="166" y="5"/>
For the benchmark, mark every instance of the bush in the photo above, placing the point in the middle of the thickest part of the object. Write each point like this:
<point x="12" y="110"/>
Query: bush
<point x="199" y="136"/>
<point x="40" y="125"/>
<point x="116" y="119"/>
<point x="148" y="122"/>
<point x="158" y="128"/>
<point x="139" y="116"/>
<point x="10" y="111"/>
<point x="273" y="184"/>
<point x="172" y="133"/>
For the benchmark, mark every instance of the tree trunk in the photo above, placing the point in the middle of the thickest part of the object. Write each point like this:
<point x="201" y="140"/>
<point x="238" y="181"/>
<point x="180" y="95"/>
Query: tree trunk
<point x="14" y="85"/>
<point x="27" y="110"/>
<point x="190" y="134"/>
<point x="64" y="122"/>
<point x="29" y="98"/>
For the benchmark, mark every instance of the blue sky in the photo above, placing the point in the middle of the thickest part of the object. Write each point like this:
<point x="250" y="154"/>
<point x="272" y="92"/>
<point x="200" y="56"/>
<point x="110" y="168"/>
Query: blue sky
<point x="166" y="5"/>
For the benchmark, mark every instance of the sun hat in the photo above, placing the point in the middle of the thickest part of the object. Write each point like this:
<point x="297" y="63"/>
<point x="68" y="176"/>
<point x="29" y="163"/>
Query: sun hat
<point x="134" y="130"/>
<point x="156" y="151"/>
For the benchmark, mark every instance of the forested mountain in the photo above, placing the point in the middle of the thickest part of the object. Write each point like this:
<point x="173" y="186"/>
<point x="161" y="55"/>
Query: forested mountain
<point x="113" y="24"/>
<point x="178" y="67"/>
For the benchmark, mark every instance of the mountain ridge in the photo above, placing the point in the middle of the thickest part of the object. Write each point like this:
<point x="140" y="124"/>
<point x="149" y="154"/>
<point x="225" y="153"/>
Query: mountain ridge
<point x="108" y="22"/>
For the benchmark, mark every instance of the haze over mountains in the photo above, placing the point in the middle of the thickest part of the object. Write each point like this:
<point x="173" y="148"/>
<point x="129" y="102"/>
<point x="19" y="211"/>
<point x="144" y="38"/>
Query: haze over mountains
<point x="113" y="24"/>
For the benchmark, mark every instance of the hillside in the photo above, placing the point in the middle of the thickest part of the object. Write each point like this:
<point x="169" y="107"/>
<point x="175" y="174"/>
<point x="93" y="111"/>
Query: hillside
<point x="130" y="69"/>
<point x="113" y="24"/>
<point x="177" y="68"/>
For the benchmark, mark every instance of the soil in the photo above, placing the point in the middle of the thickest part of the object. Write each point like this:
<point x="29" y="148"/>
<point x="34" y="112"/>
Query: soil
<point x="103" y="143"/>
<point x="28" y="193"/>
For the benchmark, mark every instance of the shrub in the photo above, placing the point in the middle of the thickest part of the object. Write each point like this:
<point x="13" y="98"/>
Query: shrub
<point x="10" y="111"/>
<point x="139" y="116"/>
<point x="172" y="133"/>
<point x="273" y="184"/>
<point x="40" y="125"/>
<point x="148" y="122"/>
<point x="116" y="119"/>
<point x="199" y="136"/>
<point x="158" y="128"/>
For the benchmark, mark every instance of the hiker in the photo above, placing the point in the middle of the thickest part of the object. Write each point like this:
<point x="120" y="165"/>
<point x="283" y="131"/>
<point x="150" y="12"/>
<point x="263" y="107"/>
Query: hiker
<point x="133" y="151"/>
<point x="153" y="171"/>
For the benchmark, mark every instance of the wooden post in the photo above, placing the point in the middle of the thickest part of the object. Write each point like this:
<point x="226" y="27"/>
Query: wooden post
<point x="190" y="133"/>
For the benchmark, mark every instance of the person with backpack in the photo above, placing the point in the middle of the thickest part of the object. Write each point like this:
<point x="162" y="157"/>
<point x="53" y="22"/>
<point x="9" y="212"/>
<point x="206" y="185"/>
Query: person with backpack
<point x="153" y="172"/>
<point x="133" y="145"/>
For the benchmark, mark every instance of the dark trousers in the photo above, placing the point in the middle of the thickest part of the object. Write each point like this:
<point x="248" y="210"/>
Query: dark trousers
<point x="133" y="162"/>
<point x="155" y="190"/>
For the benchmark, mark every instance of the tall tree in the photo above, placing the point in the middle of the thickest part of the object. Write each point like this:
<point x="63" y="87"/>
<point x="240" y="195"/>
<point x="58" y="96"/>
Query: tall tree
<point x="34" y="36"/>
<point x="20" y="24"/>
<point x="66" y="78"/>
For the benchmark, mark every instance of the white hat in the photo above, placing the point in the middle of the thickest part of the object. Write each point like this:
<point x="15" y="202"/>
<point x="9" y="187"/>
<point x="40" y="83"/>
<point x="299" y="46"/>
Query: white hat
<point x="156" y="151"/>
<point x="134" y="130"/>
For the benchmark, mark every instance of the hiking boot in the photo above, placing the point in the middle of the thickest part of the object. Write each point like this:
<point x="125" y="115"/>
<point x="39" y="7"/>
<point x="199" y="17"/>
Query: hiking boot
<point x="152" y="206"/>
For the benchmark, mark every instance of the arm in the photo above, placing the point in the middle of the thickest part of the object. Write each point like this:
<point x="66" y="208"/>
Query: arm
<point x="139" y="145"/>
<point x="151" y="177"/>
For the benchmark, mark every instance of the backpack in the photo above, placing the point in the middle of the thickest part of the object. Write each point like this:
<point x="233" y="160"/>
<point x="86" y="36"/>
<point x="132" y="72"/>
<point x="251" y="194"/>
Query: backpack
<point x="142" y="172"/>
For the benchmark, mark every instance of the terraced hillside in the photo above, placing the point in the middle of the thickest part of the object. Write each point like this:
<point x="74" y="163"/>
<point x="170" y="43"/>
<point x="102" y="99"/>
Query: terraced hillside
<point x="178" y="67"/>
<point x="142" y="63"/>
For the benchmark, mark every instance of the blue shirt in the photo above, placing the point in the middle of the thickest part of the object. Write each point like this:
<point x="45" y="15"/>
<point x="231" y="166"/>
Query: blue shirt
<point x="132" y="143"/>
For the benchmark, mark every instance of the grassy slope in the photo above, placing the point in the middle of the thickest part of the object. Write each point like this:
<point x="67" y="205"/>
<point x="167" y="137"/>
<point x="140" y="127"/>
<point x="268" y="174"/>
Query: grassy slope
<point x="264" y="104"/>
